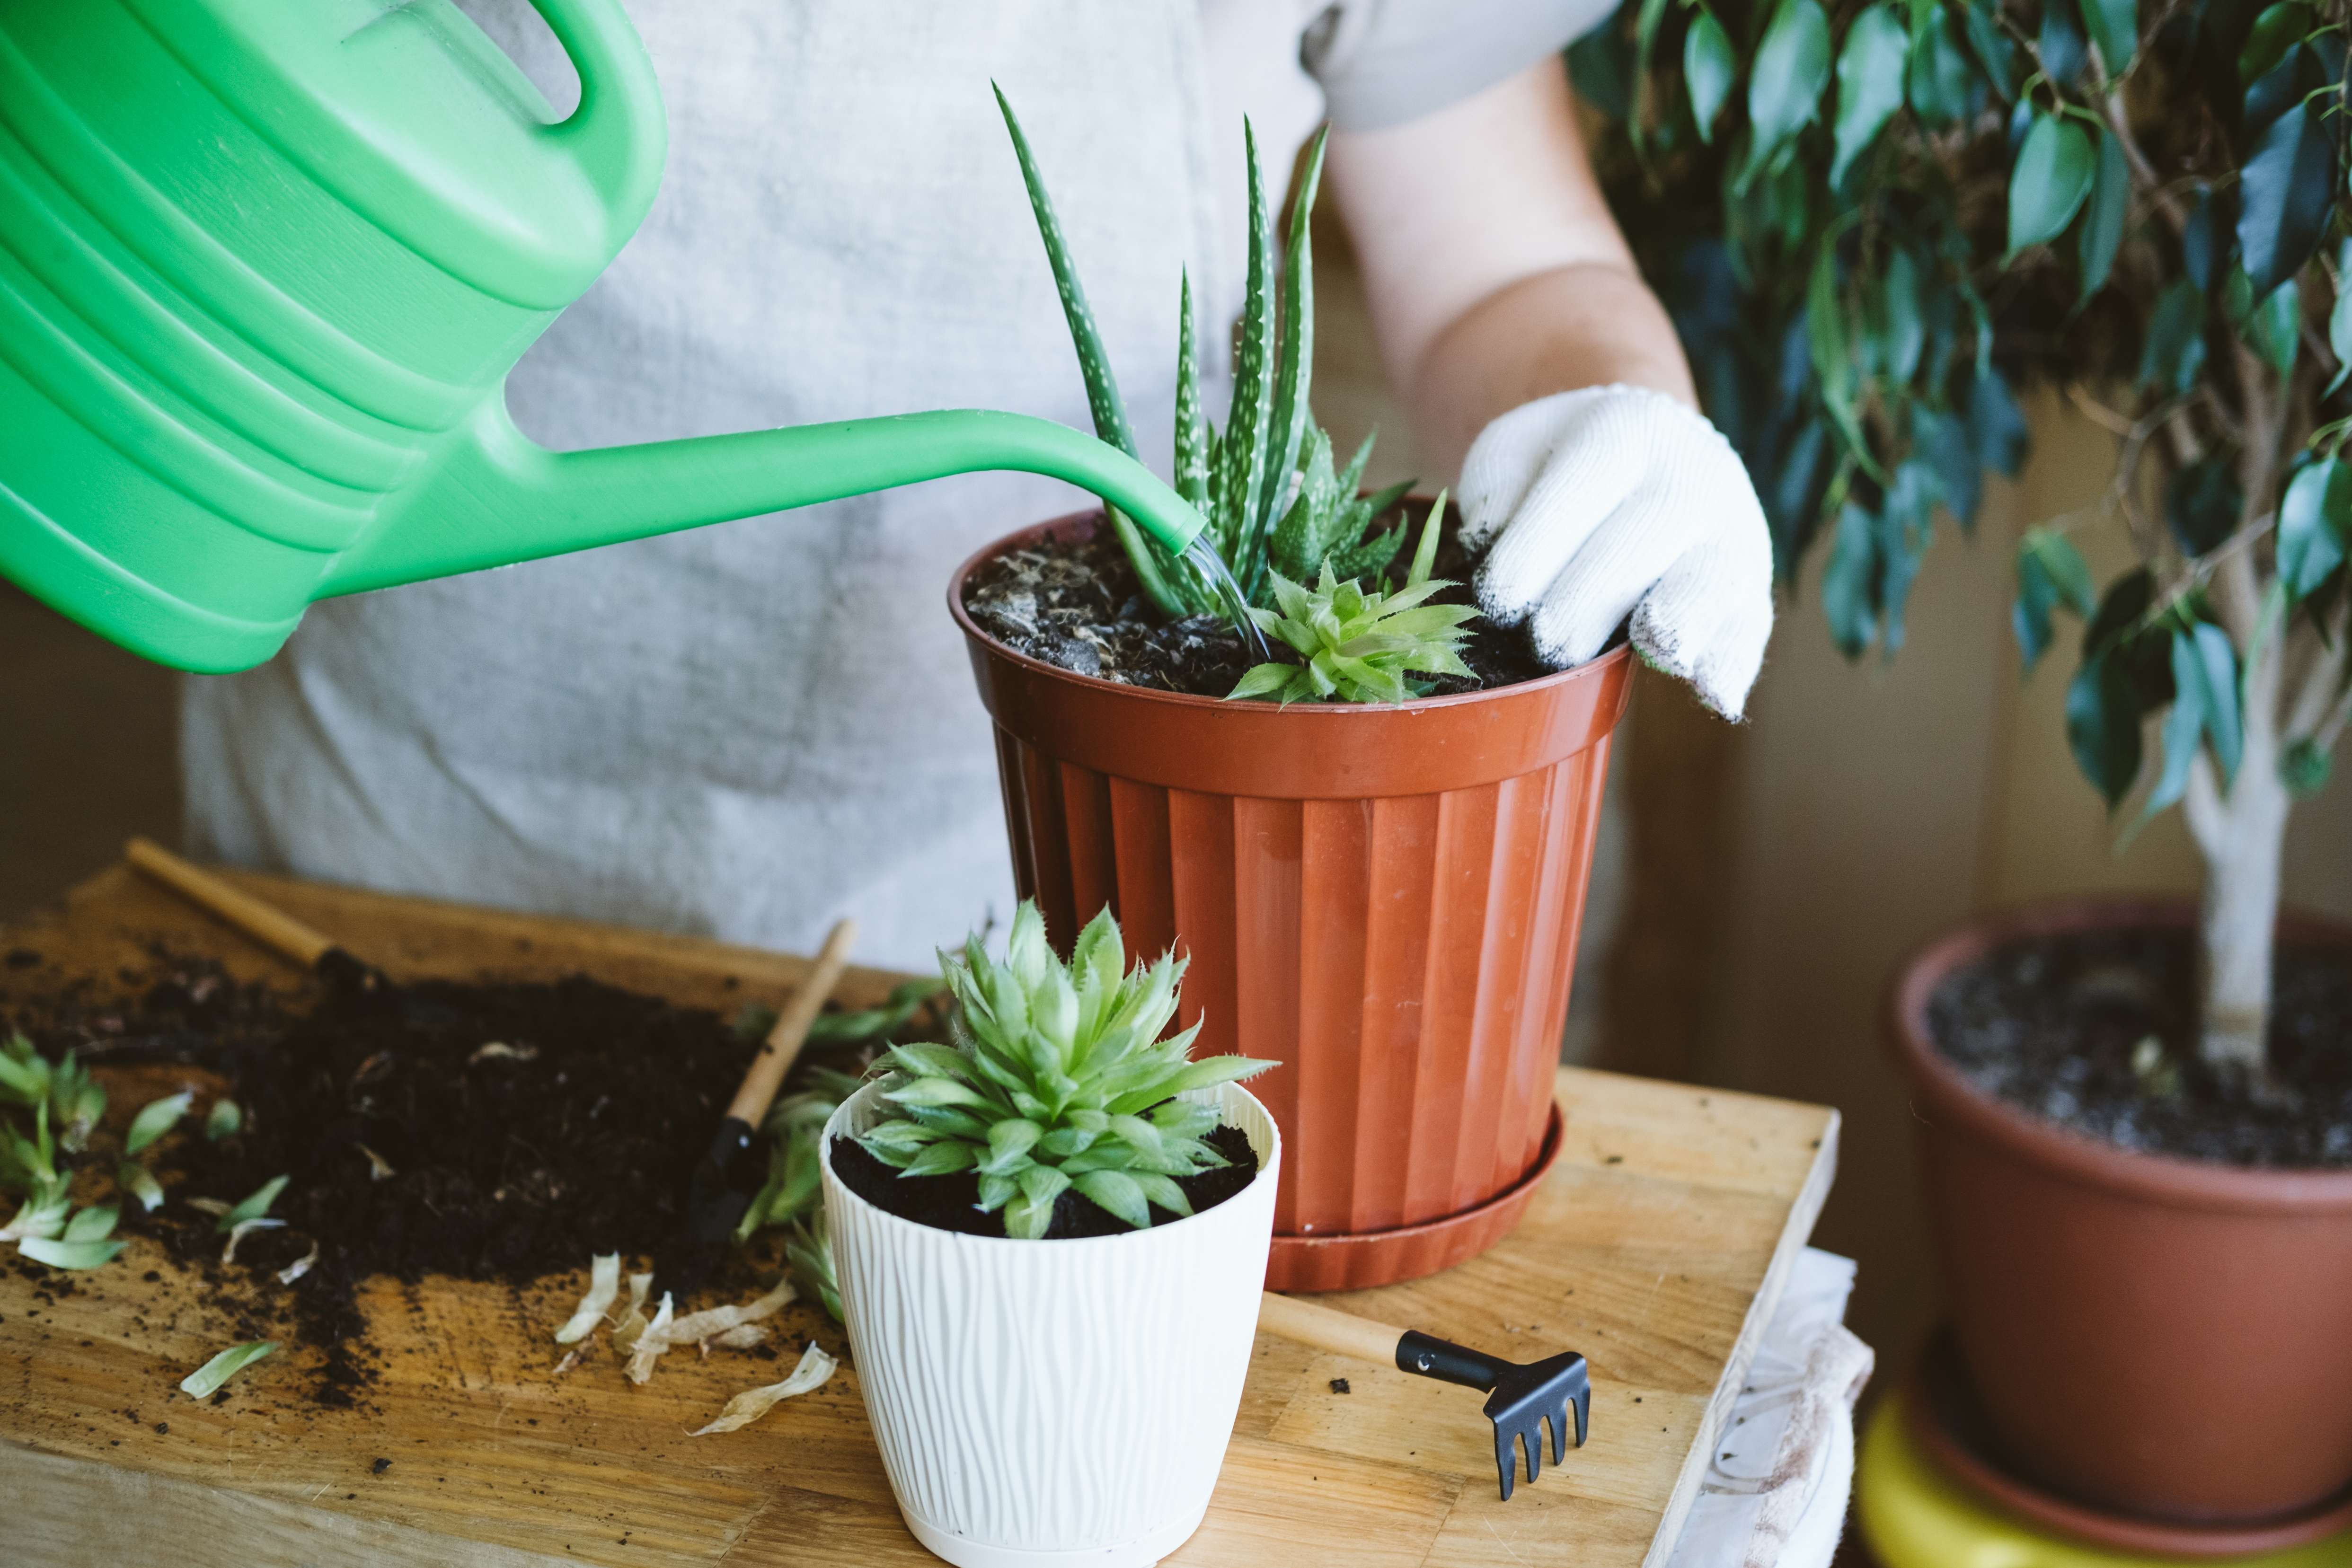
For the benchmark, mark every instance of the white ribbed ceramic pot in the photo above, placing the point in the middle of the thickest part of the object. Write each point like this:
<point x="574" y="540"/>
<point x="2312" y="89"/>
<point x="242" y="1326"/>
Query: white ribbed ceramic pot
<point x="1048" y="1403"/>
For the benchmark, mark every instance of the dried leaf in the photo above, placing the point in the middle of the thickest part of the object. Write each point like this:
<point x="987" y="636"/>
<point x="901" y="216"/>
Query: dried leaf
<point x="210" y="1205"/>
<point x="814" y="1367"/>
<point x="300" y="1267"/>
<point x="743" y="1336"/>
<point x="652" y="1344"/>
<point x="696" y="1327"/>
<point x="499" y="1050"/>
<point x="378" y="1168"/>
<point x="243" y="1228"/>
<point x="603" y="1289"/>
<point x="223" y="1366"/>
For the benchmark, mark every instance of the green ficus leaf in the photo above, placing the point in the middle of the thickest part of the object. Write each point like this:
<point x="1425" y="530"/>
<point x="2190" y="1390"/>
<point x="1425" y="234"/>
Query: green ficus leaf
<point x="2103" y="725"/>
<point x="2286" y="193"/>
<point x="2203" y="504"/>
<point x="1902" y="334"/>
<point x="1709" y="69"/>
<point x="2314" y="522"/>
<point x="2104" y="216"/>
<point x="1791" y="69"/>
<point x="2063" y="49"/>
<point x="1938" y="78"/>
<point x="2113" y="27"/>
<point x="1870" y="83"/>
<point x="2049" y="183"/>
<point x="2277" y="30"/>
<point x="2339" y="319"/>
<point x="1850" y="581"/>
<point x="206" y="1379"/>
<point x="156" y="1118"/>
<point x="2174" y="350"/>
<point x="2051" y="572"/>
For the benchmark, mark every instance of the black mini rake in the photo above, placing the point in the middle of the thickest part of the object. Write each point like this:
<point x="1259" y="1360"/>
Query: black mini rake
<point x="1520" y="1398"/>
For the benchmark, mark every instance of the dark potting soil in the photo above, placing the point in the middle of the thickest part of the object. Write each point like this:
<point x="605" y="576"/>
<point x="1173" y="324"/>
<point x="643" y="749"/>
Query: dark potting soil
<point x="952" y="1202"/>
<point x="2058" y="1026"/>
<point x="1079" y="607"/>
<point x="518" y="1128"/>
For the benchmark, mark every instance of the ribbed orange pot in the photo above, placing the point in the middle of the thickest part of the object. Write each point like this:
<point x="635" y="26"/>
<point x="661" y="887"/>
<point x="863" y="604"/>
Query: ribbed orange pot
<point x="1384" y="899"/>
<point x="2162" y="1337"/>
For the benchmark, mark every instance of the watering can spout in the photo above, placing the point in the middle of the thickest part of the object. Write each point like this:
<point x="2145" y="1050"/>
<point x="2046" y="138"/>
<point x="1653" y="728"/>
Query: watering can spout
<point x="498" y="497"/>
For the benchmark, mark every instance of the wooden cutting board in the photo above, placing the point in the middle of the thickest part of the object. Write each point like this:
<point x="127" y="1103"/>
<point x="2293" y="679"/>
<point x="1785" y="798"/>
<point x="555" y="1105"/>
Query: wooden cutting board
<point x="1658" y="1248"/>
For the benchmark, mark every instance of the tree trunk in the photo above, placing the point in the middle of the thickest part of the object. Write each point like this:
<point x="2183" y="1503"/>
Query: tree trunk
<point x="2244" y="837"/>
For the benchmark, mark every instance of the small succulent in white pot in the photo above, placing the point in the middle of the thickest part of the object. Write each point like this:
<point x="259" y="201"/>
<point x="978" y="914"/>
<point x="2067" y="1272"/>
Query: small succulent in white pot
<point x="1034" y="1398"/>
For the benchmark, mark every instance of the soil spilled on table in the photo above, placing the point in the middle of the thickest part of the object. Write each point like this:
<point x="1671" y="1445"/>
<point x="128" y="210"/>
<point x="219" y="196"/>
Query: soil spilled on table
<point x="951" y="1202"/>
<point x="492" y="1131"/>
<point x="1077" y="606"/>
<point x="2098" y="1031"/>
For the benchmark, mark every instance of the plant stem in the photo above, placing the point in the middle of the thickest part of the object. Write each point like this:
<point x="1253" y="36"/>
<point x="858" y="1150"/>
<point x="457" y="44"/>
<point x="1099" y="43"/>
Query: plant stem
<point x="2242" y="835"/>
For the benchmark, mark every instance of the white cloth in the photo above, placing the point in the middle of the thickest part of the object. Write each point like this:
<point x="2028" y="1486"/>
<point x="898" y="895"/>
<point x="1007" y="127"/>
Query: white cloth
<point x="750" y="729"/>
<point x="1777" y="1487"/>
<point x="1609" y="502"/>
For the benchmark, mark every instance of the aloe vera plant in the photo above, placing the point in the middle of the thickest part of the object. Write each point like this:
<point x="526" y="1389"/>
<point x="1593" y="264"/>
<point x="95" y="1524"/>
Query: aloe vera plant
<point x="1058" y="1079"/>
<point x="1357" y="645"/>
<point x="1274" y="506"/>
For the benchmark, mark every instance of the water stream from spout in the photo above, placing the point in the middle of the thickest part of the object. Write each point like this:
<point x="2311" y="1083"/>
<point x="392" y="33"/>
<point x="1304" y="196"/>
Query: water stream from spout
<point x="1204" y="559"/>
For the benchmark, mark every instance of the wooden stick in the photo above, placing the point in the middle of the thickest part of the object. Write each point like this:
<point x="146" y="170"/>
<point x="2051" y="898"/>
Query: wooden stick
<point x="1342" y="1333"/>
<point x="272" y="928"/>
<point x="783" y="1044"/>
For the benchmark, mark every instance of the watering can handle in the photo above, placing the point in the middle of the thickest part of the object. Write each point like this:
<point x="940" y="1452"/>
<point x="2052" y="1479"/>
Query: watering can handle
<point x="619" y="134"/>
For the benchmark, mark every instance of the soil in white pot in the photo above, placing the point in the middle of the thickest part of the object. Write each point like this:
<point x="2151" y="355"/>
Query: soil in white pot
<point x="951" y="1202"/>
<point x="2062" y="1025"/>
<point x="1077" y="606"/>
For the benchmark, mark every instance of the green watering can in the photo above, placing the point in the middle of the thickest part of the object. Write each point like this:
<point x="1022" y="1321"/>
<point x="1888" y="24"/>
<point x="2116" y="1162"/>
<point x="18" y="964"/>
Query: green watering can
<point x="263" y="267"/>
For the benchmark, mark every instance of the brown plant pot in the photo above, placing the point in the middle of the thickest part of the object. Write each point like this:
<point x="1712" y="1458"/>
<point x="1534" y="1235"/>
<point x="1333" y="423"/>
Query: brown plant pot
<point x="2163" y="1337"/>
<point x="1384" y="899"/>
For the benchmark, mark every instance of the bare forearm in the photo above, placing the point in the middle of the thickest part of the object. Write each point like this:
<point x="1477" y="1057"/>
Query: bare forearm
<point x="1495" y="271"/>
<point x="1586" y="324"/>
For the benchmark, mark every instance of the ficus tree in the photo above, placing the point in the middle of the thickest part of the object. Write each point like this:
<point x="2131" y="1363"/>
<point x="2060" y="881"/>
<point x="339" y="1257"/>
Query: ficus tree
<point x="1874" y="220"/>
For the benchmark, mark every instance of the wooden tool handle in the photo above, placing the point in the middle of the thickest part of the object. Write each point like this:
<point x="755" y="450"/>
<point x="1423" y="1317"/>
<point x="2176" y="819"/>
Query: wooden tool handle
<point x="271" y="927"/>
<point x="1326" y="1329"/>
<point x="783" y="1044"/>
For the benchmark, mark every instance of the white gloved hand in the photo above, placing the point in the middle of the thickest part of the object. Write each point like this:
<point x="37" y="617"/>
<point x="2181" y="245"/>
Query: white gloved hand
<point x="1613" y="501"/>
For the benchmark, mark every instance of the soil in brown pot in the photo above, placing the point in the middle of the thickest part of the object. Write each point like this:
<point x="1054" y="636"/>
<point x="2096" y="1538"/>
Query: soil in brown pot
<point x="2063" y="1026"/>
<point x="1077" y="606"/>
<point x="952" y="1202"/>
<point x="520" y="1127"/>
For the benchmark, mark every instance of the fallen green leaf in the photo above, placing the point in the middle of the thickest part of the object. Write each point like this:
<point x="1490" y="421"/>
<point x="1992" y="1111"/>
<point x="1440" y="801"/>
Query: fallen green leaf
<point x="69" y="1254"/>
<point x="253" y="1208"/>
<point x="156" y="1118"/>
<point x="223" y="1366"/>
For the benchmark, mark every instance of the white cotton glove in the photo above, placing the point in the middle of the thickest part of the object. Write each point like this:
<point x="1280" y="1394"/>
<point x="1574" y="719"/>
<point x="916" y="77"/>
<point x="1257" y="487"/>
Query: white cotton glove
<point x="1614" y="501"/>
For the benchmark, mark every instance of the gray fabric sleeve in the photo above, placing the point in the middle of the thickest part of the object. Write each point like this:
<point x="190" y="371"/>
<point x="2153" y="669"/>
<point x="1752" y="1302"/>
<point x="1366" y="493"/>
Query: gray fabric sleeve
<point x="1384" y="62"/>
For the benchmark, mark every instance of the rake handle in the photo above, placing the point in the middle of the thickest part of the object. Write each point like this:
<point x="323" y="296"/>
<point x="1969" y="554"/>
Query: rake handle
<point x="273" y="928"/>
<point x="1342" y="1333"/>
<point x="783" y="1046"/>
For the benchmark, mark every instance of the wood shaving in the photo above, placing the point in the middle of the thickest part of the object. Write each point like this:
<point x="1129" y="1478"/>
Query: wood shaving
<point x="696" y="1327"/>
<point x="378" y="1168"/>
<point x="814" y="1367"/>
<point x="652" y="1344"/>
<point x="603" y="1289"/>
<point x="210" y="1205"/>
<point x="300" y="1267"/>
<point x="499" y="1050"/>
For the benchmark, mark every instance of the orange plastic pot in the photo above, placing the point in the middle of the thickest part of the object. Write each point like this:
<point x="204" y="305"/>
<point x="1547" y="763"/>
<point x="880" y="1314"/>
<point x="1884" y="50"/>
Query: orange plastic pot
<point x="1384" y="899"/>
<point x="2161" y="1337"/>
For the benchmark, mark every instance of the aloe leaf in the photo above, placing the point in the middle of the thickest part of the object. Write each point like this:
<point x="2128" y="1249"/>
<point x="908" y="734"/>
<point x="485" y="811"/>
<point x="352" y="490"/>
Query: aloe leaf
<point x="1296" y="370"/>
<point x="253" y="1208"/>
<point x="69" y="1254"/>
<point x="156" y="1118"/>
<point x="1244" y="442"/>
<point x="1192" y="425"/>
<point x="1103" y="402"/>
<point x="1425" y="555"/>
<point x="208" y="1377"/>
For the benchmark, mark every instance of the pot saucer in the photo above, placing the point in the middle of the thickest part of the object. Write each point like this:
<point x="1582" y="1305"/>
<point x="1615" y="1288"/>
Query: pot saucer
<point x="1359" y="1259"/>
<point x="1942" y="1413"/>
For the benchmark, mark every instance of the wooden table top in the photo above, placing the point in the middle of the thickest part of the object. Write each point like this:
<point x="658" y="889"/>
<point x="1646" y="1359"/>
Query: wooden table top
<point x="1658" y="1247"/>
